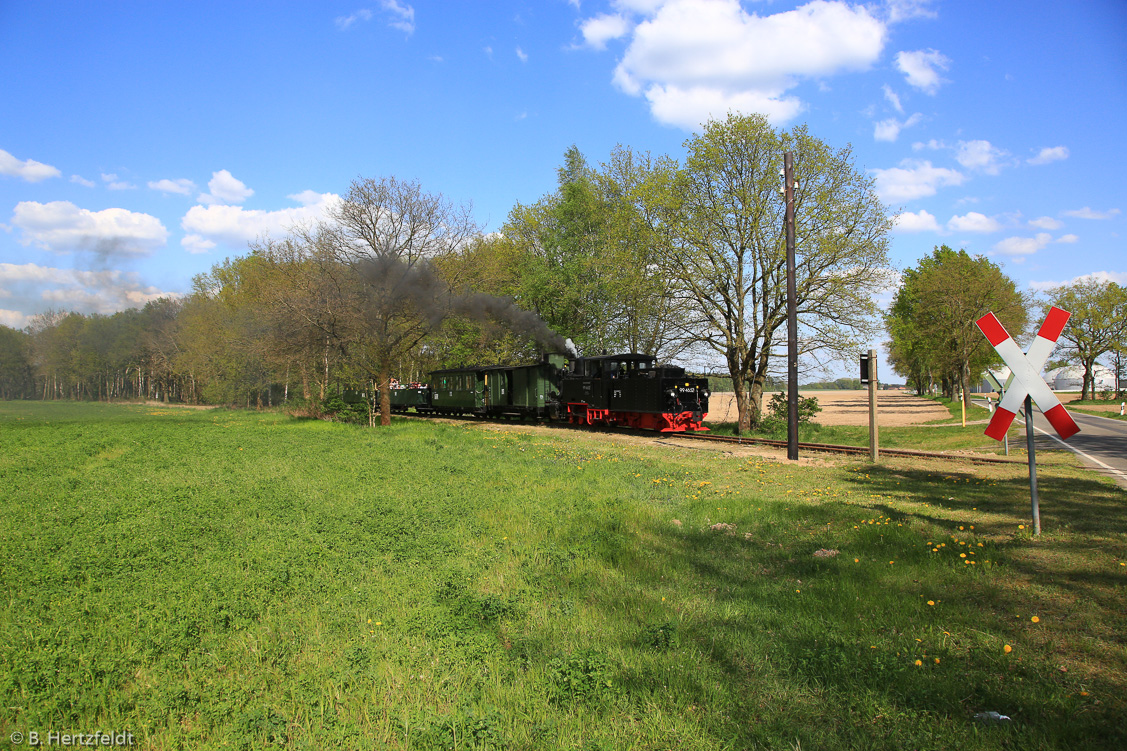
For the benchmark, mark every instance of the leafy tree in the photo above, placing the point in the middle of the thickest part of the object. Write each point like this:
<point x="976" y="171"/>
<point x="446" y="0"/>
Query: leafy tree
<point x="729" y="251"/>
<point x="15" y="364"/>
<point x="589" y="255"/>
<point x="1098" y="324"/>
<point x="933" y="315"/>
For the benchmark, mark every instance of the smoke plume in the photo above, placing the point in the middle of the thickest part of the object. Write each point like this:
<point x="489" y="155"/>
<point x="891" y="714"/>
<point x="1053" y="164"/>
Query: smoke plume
<point x="397" y="284"/>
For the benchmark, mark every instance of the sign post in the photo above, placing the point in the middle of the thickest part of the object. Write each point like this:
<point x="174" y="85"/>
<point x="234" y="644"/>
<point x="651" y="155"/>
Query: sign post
<point x="997" y="384"/>
<point x="869" y="376"/>
<point x="1026" y="386"/>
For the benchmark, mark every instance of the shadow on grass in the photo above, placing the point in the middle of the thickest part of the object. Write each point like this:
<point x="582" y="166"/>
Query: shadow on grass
<point x="823" y="651"/>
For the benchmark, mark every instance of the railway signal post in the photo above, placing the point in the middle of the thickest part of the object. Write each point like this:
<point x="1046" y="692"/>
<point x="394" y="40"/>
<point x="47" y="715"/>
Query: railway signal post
<point x="869" y="376"/>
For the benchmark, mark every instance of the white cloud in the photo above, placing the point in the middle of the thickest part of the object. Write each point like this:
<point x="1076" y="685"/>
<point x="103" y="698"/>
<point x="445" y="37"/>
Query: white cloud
<point x="1089" y="213"/>
<point x="28" y="169"/>
<point x="1049" y="154"/>
<point x="904" y="10"/>
<point x="1046" y="222"/>
<point x="1119" y="277"/>
<point x="913" y="179"/>
<point x="14" y="319"/>
<point x="80" y="180"/>
<point x="973" y="222"/>
<point x="932" y="145"/>
<point x="182" y="187"/>
<point x="235" y="226"/>
<point x="522" y="55"/>
<point x="889" y="130"/>
<point x="920" y="221"/>
<point x="688" y="108"/>
<point x="72" y="289"/>
<point x="599" y="30"/>
<point x="344" y="22"/>
<point x="400" y="17"/>
<point x="693" y="59"/>
<point x="1067" y="239"/>
<point x="225" y="189"/>
<point x="921" y="69"/>
<point x="981" y="156"/>
<point x="893" y="98"/>
<point x="1023" y="246"/>
<point x="196" y="244"/>
<point x="62" y="227"/>
<point x="113" y="183"/>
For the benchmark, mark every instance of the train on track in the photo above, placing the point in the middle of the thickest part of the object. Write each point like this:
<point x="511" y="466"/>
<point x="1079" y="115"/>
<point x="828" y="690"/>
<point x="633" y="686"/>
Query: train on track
<point x="627" y="390"/>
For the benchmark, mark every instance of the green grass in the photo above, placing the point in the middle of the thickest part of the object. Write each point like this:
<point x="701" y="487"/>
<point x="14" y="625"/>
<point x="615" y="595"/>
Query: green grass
<point x="215" y="579"/>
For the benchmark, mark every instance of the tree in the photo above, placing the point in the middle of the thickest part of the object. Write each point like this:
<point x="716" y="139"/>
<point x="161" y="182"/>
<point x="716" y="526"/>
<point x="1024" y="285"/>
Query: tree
<point x="387" y="233"/>
<point x="933" y="315"/>
<point x="1098" y="324"/>
<point x="728" y="255"/>
<point x="589" y="255"/>
<point x="15" y="364"/>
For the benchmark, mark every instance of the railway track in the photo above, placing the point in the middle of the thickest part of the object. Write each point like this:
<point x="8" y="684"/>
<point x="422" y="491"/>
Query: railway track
<point x="828" y="448"/>
<point x="836" y="449"/>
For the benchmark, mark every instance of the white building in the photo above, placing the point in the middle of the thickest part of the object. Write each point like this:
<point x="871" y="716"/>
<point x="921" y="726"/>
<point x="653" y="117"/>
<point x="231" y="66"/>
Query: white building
<point x="1071" y="378"/>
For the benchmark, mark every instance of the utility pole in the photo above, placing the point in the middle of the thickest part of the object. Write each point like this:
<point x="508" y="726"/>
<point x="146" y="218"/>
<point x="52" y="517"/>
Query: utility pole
<point x="792" y="310"/>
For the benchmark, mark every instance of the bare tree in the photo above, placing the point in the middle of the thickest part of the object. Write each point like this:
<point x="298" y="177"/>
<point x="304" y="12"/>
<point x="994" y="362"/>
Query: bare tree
<point x="386" y="233"/>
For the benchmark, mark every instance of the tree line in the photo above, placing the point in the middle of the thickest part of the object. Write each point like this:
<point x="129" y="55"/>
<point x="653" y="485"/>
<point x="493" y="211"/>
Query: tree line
<point x="639" y="253"/>
<point x="935" y="342"/>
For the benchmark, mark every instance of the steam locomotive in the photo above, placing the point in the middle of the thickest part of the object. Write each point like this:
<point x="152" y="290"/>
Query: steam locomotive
<point x="628" y="390"/>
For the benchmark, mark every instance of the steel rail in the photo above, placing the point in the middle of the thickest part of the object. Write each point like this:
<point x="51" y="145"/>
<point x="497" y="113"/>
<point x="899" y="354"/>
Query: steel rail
<point x="834" y="448"/>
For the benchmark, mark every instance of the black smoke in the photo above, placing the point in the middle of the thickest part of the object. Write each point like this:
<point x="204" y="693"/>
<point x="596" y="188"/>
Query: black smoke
<point x="395" y="283"/>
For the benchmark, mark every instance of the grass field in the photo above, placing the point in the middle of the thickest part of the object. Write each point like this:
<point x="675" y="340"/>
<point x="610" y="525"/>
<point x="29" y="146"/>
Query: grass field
<point x="220" y="579"/>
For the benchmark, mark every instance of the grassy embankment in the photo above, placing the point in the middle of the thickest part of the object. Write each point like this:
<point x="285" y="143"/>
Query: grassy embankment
<point x="227" y="579"/>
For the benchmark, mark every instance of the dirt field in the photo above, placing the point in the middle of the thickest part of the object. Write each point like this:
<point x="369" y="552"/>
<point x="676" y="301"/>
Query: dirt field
<point x="1111" y="406"/>
<point x="894" y="408"/>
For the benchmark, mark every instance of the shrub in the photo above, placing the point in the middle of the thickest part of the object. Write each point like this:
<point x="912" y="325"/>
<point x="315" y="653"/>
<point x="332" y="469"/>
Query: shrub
<point x="807" y="407"/>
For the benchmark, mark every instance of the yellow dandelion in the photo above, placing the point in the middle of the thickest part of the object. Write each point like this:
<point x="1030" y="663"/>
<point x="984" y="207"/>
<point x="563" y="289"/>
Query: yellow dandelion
<point x="931" y="602"/>
<point x="1021" y="526"/>
<point x="1007" y="649"/>
<point x="1035" y="619"/>
<point x="936" y="660"/>
<point x="919" y="663"/>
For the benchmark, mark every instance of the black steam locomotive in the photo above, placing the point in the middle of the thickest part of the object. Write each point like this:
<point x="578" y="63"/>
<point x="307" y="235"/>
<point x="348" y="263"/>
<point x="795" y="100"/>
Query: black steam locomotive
<point x="628" y="390"/>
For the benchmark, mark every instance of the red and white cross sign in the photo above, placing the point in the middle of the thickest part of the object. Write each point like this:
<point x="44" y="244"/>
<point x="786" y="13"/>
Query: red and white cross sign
<point x="1026" y="369"/>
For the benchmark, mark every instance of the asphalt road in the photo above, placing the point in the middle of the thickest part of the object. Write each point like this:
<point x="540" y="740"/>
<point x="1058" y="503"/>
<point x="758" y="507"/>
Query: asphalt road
<point x="1101" y="442"/>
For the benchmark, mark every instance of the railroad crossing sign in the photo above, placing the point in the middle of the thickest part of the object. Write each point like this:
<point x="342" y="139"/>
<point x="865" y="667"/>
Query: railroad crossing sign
<point x="1026" y="369"/>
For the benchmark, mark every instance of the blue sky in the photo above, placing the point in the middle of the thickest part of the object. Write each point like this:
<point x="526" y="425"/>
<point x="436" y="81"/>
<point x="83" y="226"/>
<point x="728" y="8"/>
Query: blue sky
<point x="142" y="143"/>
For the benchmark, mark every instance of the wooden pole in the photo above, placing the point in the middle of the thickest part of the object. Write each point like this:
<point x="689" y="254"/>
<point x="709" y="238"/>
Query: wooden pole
<point x="792" y="311"/>
<point x="874" y="449"/>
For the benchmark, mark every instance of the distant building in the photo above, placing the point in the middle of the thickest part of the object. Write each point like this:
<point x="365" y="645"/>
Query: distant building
<point x="1071" y="378"/>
